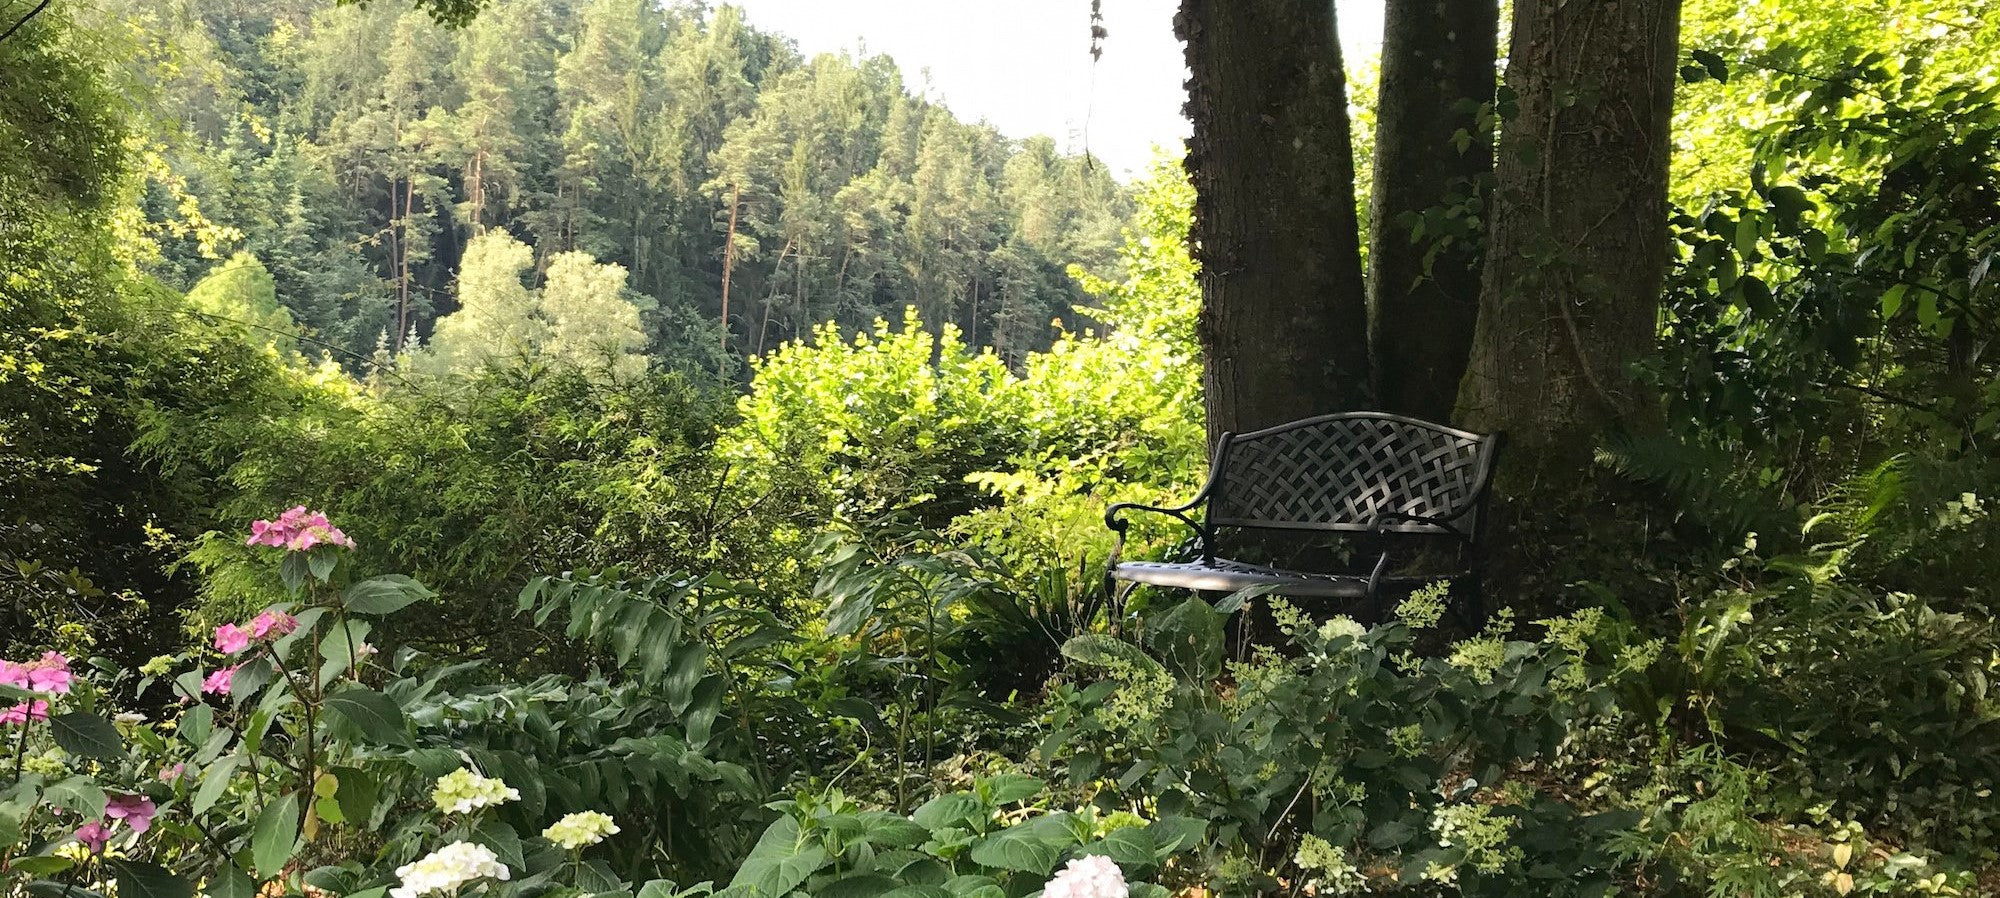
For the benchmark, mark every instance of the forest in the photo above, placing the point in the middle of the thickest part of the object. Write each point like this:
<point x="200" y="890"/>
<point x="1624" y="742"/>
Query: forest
<point x="525" y="448"/>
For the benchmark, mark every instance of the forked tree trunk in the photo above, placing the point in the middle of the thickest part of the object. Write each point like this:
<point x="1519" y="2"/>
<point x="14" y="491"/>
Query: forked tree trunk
<point x="1578" y="247"/>
<point x="1283" y="322"/>
<point x="1423" y="287"/>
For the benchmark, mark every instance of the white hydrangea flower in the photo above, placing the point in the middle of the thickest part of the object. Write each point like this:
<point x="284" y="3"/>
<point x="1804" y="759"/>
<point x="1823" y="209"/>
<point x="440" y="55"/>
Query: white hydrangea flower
<point x="446" y="869"/>
<point x="1095" y="876"/>
<point x="462" y="791"/>
<point x="1342" y="625"/>
<point x="579" y="829"/>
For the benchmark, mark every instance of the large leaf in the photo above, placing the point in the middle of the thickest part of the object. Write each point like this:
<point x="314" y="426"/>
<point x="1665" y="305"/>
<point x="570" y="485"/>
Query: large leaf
<point x="506" y="843"/>
<point x="1008" y="788"/>
<point x="386" y="594"/>
<point x="783" y="859"/>
<point x="1027" y="847"/>
<point x="1174" y="834"/>
<point x="1130" y="846"/>
<point x="1104" y="650"/>
<point x="140" y="880"/>
<point x="11" y="817"/>
<point x="356" y="794"/>
<point x="1190" y="637"/>
<point x="275" y="835"/>
<point x="77" y="794"/>
<point x="86" y="734"/>
<point x="949" y="809"/>
<point x="376" y="717"/>
<point x="866" y="885"/>
<point x="214" y="782"/>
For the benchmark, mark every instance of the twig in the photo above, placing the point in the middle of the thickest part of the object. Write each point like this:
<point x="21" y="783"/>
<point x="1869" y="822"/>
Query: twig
<point x="24" y="19"/>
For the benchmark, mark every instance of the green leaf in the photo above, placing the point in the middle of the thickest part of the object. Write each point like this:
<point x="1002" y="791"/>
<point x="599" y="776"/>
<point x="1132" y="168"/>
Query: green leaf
<point x="385" y="594"/>
<point x="320" y="562"/>
<point x="783" y="859"/>
<point x="1391" y="834"/>
<point x="503" y="840"/>
<point x="356" y="794"/>
<point x="196" y="725"/>
<point x="251" y="679"/>
<point x="1130" y="846"/>
<point x="1174" y="834"/>
<point x="140" y="880"/>
<point x="215" y="782"/>
<point x="77" y="794"/>
<point x="1029" y="847"/>
<point x="433" y="762"/>
<point x="949" y="809"/>
<point x="974" y="887"/>
<point x="596" y="877"/>
<point x="275" y="835"/>
<point x="1190" y="637"/>
<point x="1105" y="650"/>
<point x="86" y="734"/>
<point x="866" y="885"/>
<point x="1716" y="67"/>
<point x="294" y="570"/>
<point x="1892" y="299"/>
<point x="1758" y="296"/>
<point x="10" y="825"/>
<point x="1791" y="202"/>
<point x="1008" y="788"/>
<point x="40" y="866"/>
<point x="376" y="717"/>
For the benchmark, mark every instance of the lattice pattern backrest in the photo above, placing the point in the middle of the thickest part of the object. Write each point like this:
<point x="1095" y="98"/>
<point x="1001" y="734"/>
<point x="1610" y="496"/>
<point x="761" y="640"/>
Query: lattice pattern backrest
<point x="1342" y="471"/>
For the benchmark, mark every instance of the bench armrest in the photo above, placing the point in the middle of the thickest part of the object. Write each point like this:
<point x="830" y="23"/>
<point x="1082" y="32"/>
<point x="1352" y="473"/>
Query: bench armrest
<point x="1113" y="521"/>
<point x="1381" y="522"/>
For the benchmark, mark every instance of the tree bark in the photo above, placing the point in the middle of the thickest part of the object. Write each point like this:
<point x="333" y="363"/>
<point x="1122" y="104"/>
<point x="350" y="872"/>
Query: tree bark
<point x="1283" y="323"/>
<point x="1578" y="247"/>
<point x="1430" y="152"/>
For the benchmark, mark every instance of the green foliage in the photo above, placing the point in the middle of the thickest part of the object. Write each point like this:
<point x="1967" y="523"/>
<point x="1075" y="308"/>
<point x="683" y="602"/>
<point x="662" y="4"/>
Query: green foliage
<point x="521" y="470"/>
<point x="1349" y="755"/>
<point x="579" y="319"/>
<point x="954" y="845"/>
<point x="890" y="423"/>
<point x="239" y="292"/>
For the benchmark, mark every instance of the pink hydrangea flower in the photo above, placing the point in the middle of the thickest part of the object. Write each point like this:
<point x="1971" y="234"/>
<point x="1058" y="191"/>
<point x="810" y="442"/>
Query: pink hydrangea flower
<point x="298" y="530"/>
<point x="169" y="774"/>
<point x="273" y="621"/>
<point x="230" y="639"/>
<point x="24" y="712"/>
<point x="51" y="674"/>
<point x="93" y="835"/>
<point x="219" y="682"/>
<point x="136" y="810"/>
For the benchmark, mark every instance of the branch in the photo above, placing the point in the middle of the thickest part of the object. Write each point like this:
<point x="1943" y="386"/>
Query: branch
<point x="24" y="19"/>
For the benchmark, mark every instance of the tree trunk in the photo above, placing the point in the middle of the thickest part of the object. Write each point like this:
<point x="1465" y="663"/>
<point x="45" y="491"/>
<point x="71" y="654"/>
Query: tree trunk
<point x="1578" y="247"/>
<point x="1283" y="321"/>
<point x="1430" y="153"/>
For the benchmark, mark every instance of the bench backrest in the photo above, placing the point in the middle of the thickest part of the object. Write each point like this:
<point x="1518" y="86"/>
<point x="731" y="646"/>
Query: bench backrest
<point x="1337" y="472"/>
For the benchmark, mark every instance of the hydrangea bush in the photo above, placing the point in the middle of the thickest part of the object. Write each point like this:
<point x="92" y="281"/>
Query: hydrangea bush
<point x="275" y="761"/>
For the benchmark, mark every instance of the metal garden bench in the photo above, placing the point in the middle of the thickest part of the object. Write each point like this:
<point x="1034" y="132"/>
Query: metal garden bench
<point x="1349" y="473"/>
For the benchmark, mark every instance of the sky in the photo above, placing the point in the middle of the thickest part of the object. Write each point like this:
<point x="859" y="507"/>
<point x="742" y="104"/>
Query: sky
<point x="1024" y="65"/>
